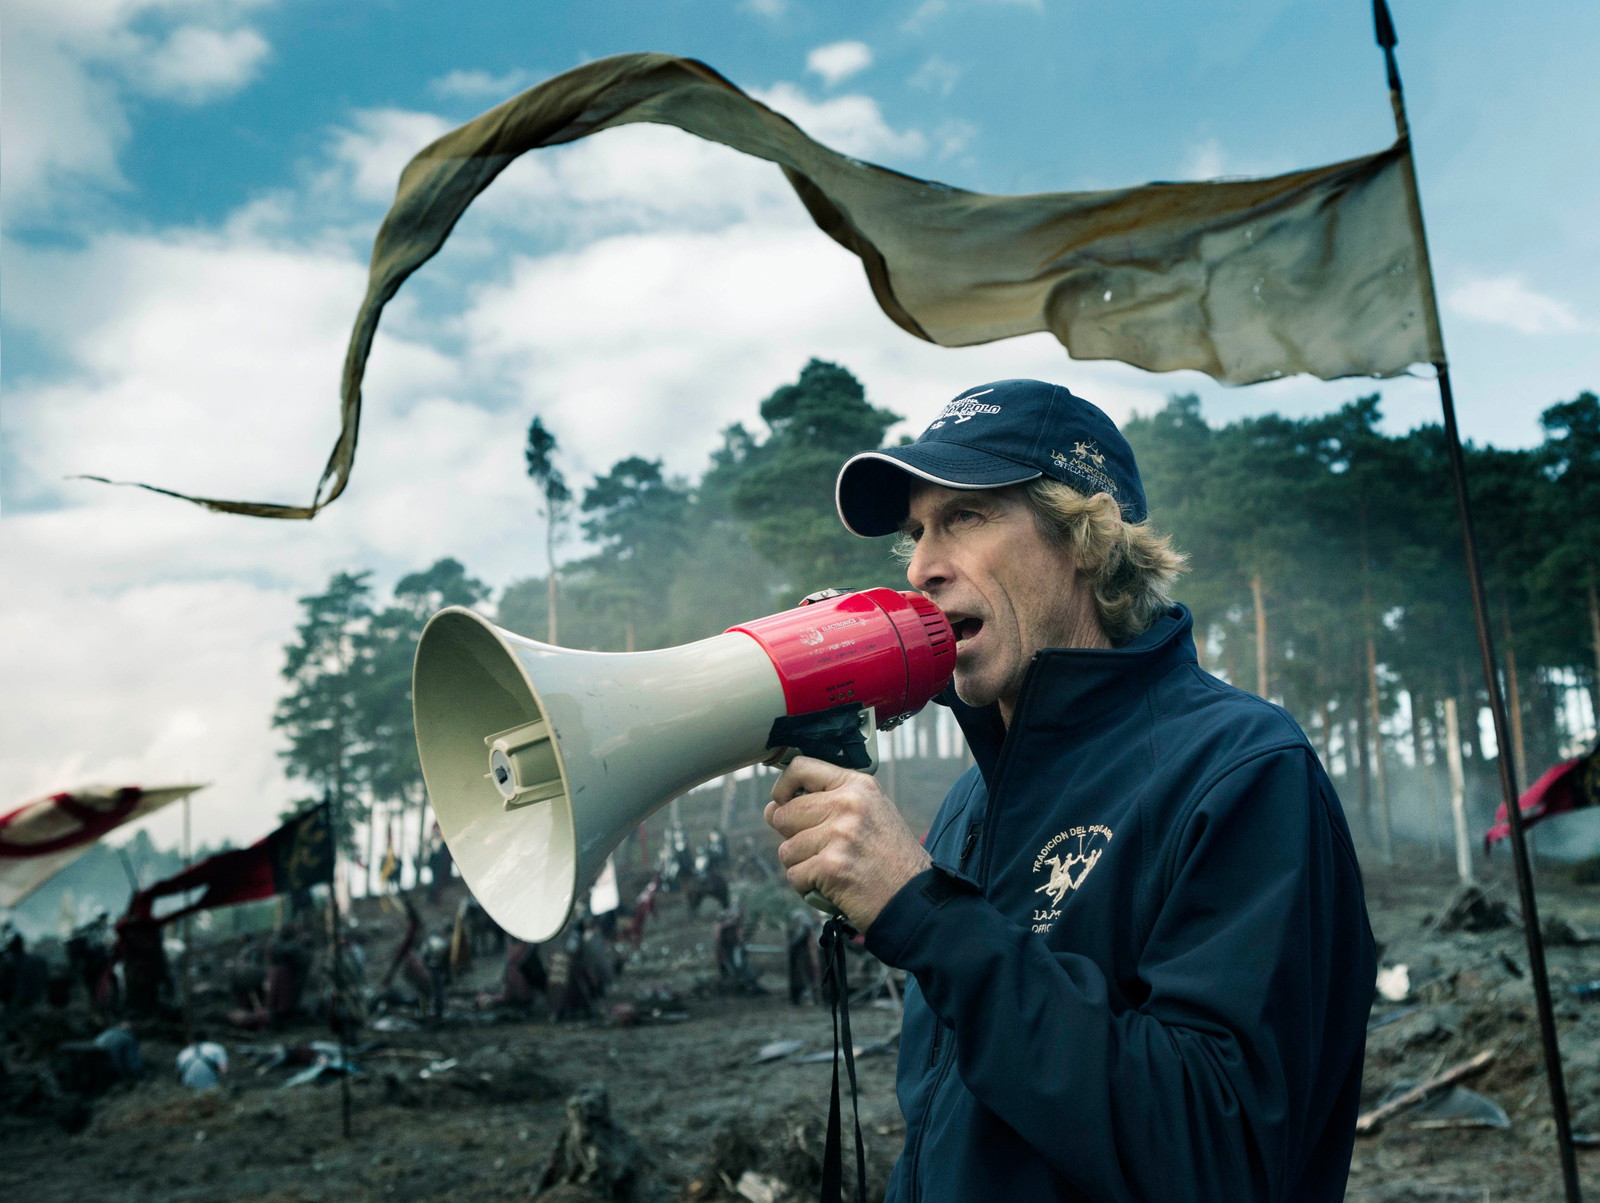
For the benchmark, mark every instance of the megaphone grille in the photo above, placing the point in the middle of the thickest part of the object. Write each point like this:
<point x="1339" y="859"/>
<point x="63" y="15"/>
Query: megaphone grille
<point x="522" y="857"/>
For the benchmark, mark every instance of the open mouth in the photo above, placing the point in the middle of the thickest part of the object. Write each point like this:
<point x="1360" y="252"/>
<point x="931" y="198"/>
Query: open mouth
<point x="966" y="628"/>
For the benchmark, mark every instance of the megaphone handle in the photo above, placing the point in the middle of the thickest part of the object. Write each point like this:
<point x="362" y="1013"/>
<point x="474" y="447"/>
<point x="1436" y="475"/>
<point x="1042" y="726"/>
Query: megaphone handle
<point x="844" y="735"/>
<point x="817" y="900"/>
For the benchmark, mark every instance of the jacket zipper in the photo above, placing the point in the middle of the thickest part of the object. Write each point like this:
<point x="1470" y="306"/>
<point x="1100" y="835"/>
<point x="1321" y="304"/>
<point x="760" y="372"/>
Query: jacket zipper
<point x="933" y="1093"/>
<point x="1001" y="765"/>
<point x="974" y="829"/>
<point x="968" y="845"/>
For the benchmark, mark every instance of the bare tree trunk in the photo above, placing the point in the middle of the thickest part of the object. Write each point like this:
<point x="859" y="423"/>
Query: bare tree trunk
<point x="550" y="617"/>
<point x="372" y="841"/>
<point x="1380" y="778"/>
<point x="1424" y="772"/>
<point x="1467" y="714"/>
<point x="550" y="560"/>
<point x="1263" y="676"/>
<point x="1519" y="749"/>
<point x="422" y="837"/>
<point x="1458" y="793"/>
<point x="1594" y="636"/>
<point x="1357" y="740"/>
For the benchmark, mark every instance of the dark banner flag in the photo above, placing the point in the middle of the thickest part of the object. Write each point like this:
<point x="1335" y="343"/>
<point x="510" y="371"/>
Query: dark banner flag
<point x="1317" y="271"/>
<point x="1570" y="785"/>
<point x="297" y="856"/>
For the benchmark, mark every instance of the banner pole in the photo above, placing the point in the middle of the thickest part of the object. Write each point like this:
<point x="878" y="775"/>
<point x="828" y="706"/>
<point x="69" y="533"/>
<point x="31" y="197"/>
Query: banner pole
<point x="341" y="1016"/>
<point x="188" y="941"/>
<point x="1480" y="613"/>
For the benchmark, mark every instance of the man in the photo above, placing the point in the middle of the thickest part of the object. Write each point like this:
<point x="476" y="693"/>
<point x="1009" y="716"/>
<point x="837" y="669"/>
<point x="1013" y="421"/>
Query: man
<point x="1140" y="955"/>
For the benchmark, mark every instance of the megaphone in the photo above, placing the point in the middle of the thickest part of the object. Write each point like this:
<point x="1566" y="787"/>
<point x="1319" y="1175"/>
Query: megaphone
<point x="540" y="760"/>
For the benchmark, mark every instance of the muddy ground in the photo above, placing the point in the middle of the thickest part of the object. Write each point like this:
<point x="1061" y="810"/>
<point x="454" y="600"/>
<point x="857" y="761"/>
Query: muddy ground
<point x="473" y="1108"/>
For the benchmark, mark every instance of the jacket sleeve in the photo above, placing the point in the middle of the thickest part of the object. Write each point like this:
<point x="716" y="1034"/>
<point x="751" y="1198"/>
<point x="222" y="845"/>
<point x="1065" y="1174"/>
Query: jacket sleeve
<point x="1258" y="970"/>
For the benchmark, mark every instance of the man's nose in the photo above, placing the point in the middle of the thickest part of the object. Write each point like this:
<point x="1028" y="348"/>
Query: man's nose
<point x="925" y="570"/>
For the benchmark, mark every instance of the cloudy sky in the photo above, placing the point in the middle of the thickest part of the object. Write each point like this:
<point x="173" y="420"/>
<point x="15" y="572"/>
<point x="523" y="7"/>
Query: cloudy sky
<point x="190" y="189"/>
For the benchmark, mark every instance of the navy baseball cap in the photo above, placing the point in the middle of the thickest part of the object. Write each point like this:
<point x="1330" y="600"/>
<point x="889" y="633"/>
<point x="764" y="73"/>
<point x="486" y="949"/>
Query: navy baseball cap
<point x="991" y="436"/>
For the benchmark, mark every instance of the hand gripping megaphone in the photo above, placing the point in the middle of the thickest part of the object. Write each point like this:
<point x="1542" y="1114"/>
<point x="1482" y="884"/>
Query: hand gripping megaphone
<point x="540" y="760"/>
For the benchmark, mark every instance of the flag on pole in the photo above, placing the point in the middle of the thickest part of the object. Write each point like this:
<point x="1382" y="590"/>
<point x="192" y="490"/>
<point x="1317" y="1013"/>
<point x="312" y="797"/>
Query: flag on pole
<point x="295" y="857"/>
<point x="1317" y="271"/>
<point x="1571" y="785"/>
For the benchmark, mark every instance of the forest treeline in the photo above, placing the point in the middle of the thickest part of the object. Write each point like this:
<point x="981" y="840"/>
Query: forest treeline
<point x="1326" y="572"/>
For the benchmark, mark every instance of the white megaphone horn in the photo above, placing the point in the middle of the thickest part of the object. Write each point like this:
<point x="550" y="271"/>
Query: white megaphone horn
<point x="539" y="760"/>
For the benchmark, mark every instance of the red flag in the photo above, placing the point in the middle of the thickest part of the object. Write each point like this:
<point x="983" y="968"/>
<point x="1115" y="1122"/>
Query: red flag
<point x="42" y="837"/>
<point x="1570" y="785"/>
<point x="295" y="857"/>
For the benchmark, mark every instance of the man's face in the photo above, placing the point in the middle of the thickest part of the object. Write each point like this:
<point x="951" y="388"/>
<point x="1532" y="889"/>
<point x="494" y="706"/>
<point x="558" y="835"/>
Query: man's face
<point x="1006" y="589"/>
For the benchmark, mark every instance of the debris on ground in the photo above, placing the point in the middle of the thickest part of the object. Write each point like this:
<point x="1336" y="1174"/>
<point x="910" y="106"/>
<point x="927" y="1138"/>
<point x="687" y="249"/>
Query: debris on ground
<point x="1410" y="1095"/>
<point x="776" y="1050"/>
<point x="1394" y="982"/>
<point x="597" y="1154"/>
<point x="1474" y="909"/>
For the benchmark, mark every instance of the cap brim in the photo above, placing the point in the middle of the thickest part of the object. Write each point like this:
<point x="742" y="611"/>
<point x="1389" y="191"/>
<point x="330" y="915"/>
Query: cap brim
<point x="873" y="492"/>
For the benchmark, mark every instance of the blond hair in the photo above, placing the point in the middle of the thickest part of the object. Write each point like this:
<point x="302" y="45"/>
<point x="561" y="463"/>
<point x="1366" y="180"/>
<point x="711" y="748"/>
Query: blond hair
<point x="1129" y="565"/>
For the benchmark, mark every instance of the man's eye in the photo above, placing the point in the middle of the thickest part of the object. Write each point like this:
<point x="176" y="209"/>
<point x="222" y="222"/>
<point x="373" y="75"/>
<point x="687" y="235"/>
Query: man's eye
<point x="964" y="516"/>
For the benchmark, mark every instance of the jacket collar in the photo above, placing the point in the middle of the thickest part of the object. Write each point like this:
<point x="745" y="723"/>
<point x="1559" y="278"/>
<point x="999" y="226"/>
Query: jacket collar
<point x="1071" y="687"/>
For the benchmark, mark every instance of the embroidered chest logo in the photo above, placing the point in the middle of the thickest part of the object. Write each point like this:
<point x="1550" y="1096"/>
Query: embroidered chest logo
<point x="963" y="409"/>
<point x="1065" y="862"/>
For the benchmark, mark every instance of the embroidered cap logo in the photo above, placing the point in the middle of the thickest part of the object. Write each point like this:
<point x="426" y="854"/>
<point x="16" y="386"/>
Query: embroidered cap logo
<point x="964" y="409"/>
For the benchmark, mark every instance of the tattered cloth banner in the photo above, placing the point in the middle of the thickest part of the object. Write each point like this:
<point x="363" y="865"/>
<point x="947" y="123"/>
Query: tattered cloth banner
<point x="40" y="838"/>
<point x="295" y="857"/>
<point x="1570" y="785"/>
<point x="1316" y="271"/>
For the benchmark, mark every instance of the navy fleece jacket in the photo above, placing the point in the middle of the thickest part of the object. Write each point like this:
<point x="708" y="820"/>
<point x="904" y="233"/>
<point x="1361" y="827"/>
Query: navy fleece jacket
<point x="1142" y="965"/>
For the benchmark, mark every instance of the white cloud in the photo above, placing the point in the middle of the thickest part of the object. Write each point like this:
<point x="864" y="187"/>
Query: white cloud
<point x="631" y="178"/>
<point x="853" y="125"/>
<point x="1204" y="161"/>
<point x="838" y="61"/>
<point x="953" y="137"/>
<point x="68" y="67"/>
<point x="482" y="85"/>
<point x="1508" y="301"/>
<point x="936" y="75"/>
<point x="370" y="153"/>
<point x="1208" y="159"/>
<point x="926" y="13"/>
<point x="932" y="10"/>
<point x="195" y="64"/>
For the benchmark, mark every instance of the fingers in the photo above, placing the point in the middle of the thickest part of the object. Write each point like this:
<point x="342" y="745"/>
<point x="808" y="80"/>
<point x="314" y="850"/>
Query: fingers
<point x="807" y="775"/>
<point x="804" y="811"/>
<point x="842" y="837"/>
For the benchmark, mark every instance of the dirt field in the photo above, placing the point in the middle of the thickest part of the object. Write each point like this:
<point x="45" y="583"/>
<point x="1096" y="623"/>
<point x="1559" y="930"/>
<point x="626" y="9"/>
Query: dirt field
<point x="473" y="1107"/>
